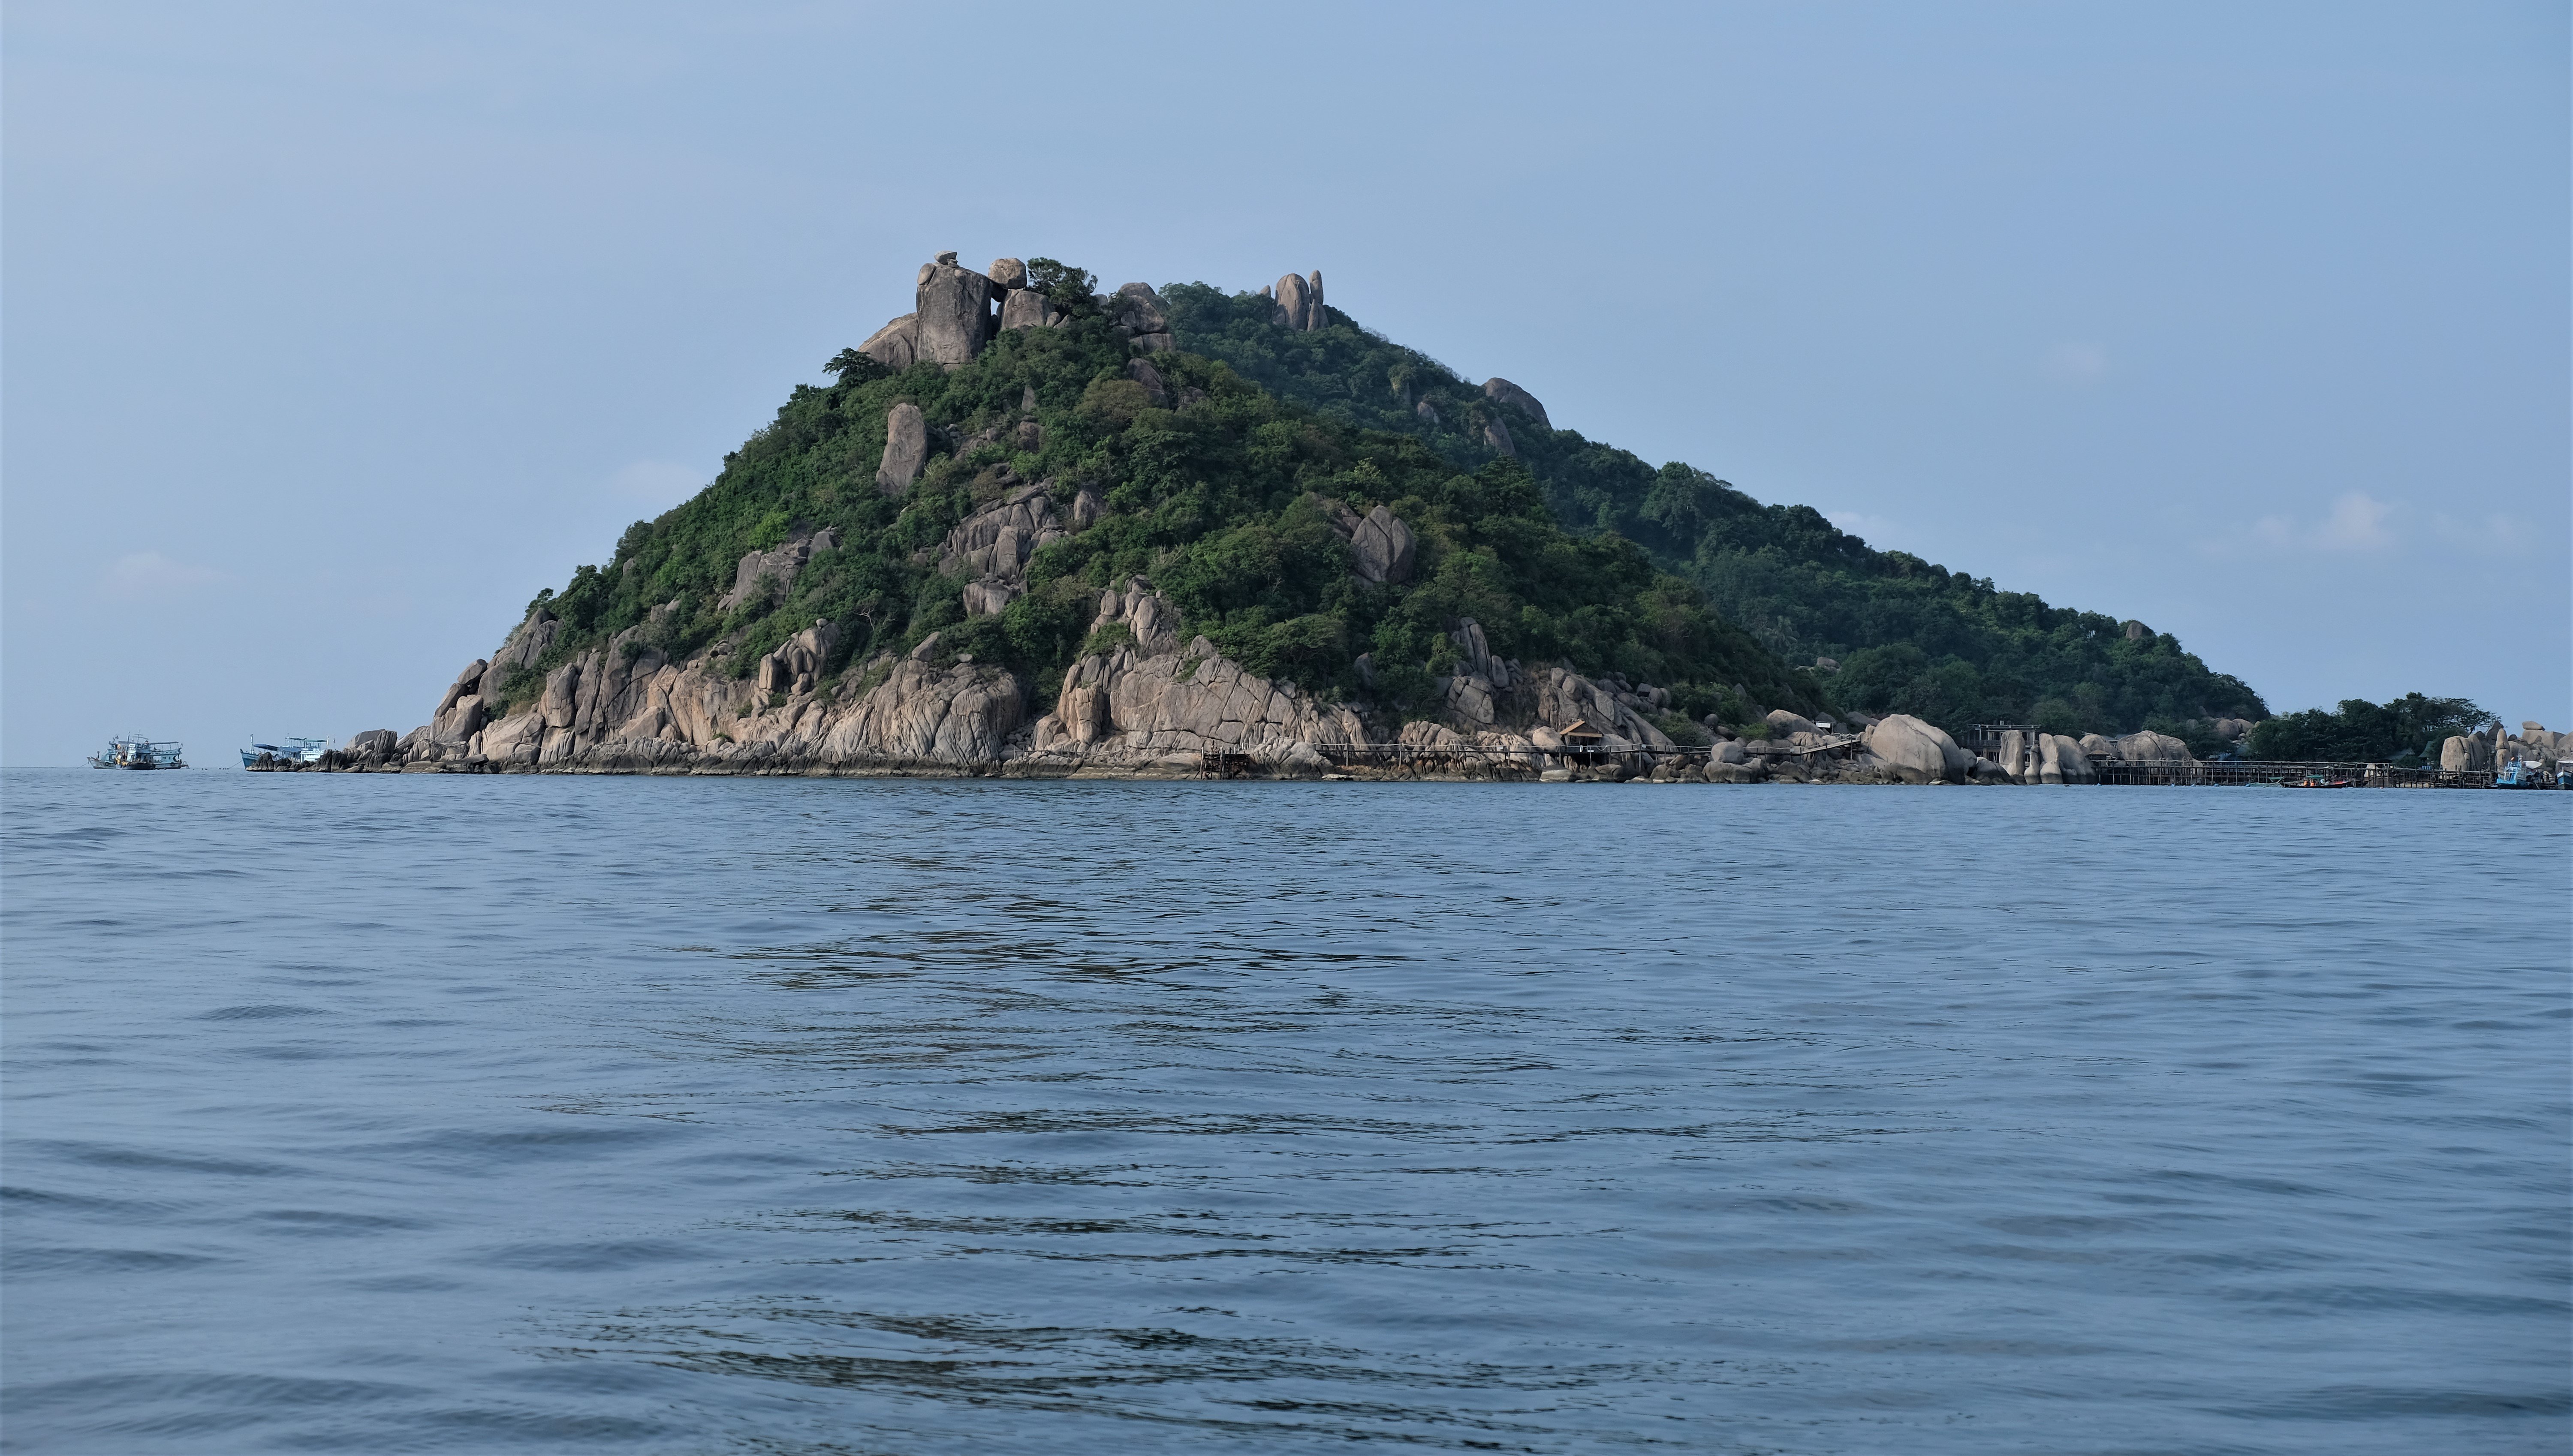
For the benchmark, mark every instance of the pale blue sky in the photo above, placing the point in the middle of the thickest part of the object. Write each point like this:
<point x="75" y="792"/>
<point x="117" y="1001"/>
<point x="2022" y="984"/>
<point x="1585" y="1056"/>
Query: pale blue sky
<point x="332" y="332"/>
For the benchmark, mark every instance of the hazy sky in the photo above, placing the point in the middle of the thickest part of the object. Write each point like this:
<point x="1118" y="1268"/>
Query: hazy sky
<point x="333" y="332"/>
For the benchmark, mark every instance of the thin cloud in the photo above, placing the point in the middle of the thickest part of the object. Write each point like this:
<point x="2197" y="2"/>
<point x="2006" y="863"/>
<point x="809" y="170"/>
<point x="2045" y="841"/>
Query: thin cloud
<point x="146" y="575"/>
<point x="2355" y="524"/>
<point x="2495" y="535"/>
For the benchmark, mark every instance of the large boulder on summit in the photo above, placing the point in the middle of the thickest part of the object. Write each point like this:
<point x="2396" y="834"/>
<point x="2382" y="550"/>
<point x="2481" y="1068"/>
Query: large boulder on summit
<point x="954" y="317"/>
<point x="1008" y="273"/>
<point x="1295" y="303"/>
<point x="1918" y="752"/>
<point x="1502" y="391"/>
<point x="906" y="449"/>
<point x="1383" y="547"/>
<point x="1139" y="314"/>
<point x="895" y="345"/>
<point x="1028" y="309"/>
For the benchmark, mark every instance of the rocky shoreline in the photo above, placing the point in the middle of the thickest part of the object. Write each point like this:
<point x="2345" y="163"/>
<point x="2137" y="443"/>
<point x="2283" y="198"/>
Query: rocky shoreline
<point x="1144" y="705"/>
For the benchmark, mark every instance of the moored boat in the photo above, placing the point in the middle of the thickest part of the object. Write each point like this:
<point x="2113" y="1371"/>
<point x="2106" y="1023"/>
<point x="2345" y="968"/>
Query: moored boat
<point x="263" y="756"/>
<point x="134" y="750"/>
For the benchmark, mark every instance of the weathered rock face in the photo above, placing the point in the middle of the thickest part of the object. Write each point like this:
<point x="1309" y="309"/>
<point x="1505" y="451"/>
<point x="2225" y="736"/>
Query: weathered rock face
<point x="1028" y="309"/>
<point x="1152" y="699"/>
<point x="1498" y="435"/>
<point x="2135" y="632"/>
<point x="1502" y="391"/>
<point x="778" y="567"/>
<point x="1145" y="613"/>
<point x="960" y="716"/>
<point x="1383" y="547"/>
<point x="1008" y="273"/>
<point x="2470" y="753"/>
<point x="460" y="709"/>
<point x="906" y="449"/>
<point x="1476" y="659"/>
<point x="895" y="346"/>
<point x="954" y="317"/>
<point x="2231" y="730"/>
<point x="994" y="544"/>
<point x="562" y="696"/>
<point x="794" y="667"/>
<point x="1917" y="752"/>
<point x="373" y="743"/>
<point x="1564" y="697"/>
<point x="1426" y="412"/>
<point x="1784" y="724"/>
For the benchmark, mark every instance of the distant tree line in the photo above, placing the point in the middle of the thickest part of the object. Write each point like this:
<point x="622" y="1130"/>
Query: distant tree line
<point x="2406" y="731"/>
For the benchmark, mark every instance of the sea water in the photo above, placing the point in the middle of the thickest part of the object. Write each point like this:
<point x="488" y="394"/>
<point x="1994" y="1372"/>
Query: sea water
<point x="434" y="1114"/>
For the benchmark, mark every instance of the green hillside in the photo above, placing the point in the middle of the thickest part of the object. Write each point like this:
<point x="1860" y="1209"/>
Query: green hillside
<point x="1215" y="497"/>
<point x="1909" y="636"/>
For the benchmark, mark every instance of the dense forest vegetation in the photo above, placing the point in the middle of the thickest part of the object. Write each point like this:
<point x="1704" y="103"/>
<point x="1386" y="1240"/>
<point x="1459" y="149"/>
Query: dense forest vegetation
<point x="1214" y="499"/>
<point x="1909" y="636"/>
<point x="2406" y="731"/>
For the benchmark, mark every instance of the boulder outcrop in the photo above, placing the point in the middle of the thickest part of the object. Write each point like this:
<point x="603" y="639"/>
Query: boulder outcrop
<point x="1007" y="272"/>
<point x="778" y="568"/>
<point x="1383" y="547"/>
<point x="894" y="346"/>
<point x="2060" y="761"/>
<point x="1028" y="309"/>
<point x="796" y="666"/>
<point x="1502" y="391"/>
<point x="2141" y="747"/>
<point x="1917" y="752"/>
<point x="1298" y="301"/>
<point x="906" y="449"/>
<point x="993" y="546"/>
<point x="2466" y="753"/>
<point x="1139" y="314"/>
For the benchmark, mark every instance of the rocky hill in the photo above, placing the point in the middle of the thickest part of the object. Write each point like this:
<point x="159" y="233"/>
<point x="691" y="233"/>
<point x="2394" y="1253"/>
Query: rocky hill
<point x="1889" y="631"/>
<point x="1033" y="528"/>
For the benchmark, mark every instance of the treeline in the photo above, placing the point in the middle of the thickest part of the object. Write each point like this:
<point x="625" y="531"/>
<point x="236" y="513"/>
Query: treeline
<point x="1908" y="636"/>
